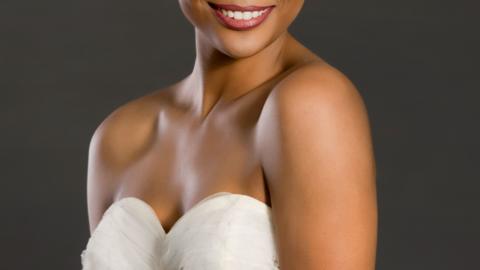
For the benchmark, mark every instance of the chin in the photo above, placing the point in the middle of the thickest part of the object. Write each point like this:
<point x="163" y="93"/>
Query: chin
<point x="241" y="45"/>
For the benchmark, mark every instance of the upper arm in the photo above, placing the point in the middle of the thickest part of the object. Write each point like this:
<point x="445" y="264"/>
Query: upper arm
<point x="317" y="155"/>
<point x="99" y="177"/>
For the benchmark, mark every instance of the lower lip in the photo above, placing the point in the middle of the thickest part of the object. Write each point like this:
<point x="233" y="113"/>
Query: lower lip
<point x="241" y="24"/>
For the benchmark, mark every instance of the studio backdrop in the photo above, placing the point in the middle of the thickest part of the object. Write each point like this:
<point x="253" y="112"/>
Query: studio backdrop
<point x="65" y="65"/>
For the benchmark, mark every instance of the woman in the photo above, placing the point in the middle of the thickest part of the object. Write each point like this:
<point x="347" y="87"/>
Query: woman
<point x="261" y="158"/>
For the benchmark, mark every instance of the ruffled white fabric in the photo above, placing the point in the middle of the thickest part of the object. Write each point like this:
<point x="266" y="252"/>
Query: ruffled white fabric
<point x="224" y="231"/>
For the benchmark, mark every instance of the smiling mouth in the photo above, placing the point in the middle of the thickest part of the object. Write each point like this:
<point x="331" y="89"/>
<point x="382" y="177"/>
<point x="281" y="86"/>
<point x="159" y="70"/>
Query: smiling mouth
<point x="240" y="17"/>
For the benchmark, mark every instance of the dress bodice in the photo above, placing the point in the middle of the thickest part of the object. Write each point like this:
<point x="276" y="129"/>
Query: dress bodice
<point x="224" y="231"/>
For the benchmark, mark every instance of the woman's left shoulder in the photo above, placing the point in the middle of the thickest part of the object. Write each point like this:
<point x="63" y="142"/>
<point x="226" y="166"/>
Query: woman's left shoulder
<point x="316" y="81"/>
<point x="312" y="91"/>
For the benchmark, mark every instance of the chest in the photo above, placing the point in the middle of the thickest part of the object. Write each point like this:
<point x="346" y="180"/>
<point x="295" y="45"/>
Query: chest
<point x="186" y="160"/>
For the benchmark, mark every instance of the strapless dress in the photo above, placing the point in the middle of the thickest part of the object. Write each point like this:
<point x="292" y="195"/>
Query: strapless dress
<point x="224" y="231"/>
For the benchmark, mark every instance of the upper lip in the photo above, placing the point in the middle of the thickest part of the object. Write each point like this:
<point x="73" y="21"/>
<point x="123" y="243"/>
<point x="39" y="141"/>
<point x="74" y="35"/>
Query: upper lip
<point x="238" y="8"/>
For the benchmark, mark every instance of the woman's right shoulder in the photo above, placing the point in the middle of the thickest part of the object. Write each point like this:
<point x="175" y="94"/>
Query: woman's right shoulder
<point x="127" y="129"/>
<point x="117" y="141"/>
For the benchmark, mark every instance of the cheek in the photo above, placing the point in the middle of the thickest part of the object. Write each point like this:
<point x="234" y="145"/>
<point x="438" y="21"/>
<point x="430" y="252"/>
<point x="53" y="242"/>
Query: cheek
<point x="288" y="11"/>
<point x="195" y="12"/>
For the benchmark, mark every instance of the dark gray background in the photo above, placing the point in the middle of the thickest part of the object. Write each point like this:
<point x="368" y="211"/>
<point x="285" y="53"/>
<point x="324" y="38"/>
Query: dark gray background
<point x="65" y="65"/>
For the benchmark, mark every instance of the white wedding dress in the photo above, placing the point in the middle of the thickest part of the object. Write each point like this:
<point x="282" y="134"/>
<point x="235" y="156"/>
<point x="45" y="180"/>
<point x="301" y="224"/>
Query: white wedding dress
<point x="224" y="231"/>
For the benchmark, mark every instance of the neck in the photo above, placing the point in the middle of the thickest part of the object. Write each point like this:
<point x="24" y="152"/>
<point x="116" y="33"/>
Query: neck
<point x="217" y="77"/>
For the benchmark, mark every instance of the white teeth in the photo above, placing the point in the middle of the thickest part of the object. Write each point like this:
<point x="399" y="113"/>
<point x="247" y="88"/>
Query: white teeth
<point x="239" y="15"/>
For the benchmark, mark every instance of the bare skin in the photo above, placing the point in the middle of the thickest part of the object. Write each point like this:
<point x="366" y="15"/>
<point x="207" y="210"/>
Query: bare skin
<point x="270" y="120"/>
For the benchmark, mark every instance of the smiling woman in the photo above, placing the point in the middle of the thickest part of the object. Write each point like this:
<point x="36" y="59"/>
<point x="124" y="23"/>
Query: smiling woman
<point x="260" y="158"/>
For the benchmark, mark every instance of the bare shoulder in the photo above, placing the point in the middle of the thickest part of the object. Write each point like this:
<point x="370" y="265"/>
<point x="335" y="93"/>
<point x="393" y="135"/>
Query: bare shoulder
<point x="123" y="131"/>
<point x="316" y="152"/>
<point x="314" y="92"/>
<point x="118" y="140"/>
<point x="317" y="83"/>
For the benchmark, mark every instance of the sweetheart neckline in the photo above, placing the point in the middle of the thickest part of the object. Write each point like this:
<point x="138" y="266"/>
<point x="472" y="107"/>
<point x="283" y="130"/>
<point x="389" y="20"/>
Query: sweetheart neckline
<point x="216" y="195"/>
